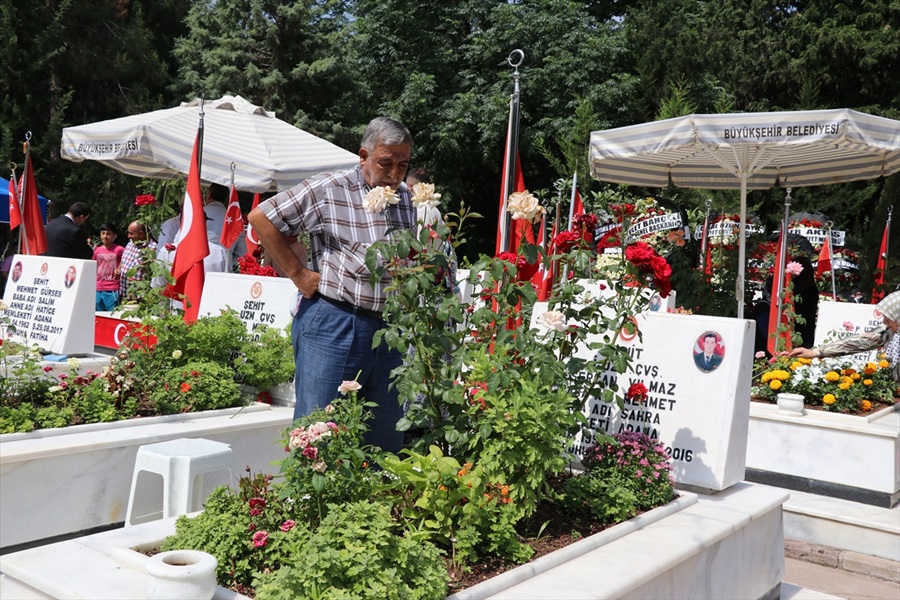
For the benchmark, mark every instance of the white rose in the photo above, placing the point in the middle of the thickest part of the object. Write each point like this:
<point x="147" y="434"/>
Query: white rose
<point x="176" y="354"/>
<point x="523" y="205"/>
<point x="379" y="198"/>
<point x="423" y="195"/>
<point x="349" y="386"/>
<point x="554" y="320"/>
<point x="73" y="362"/>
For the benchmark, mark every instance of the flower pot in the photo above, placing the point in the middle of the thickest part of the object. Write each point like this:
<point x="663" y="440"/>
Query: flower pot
<point x="181" y="575"/>
<point x="790" y="405"/>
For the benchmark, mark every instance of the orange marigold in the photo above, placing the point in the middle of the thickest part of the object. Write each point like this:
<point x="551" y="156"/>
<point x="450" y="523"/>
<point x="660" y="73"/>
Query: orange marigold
<point x="867" y="382"/>
<point x="865" y="405"/>
<point x="828" y="399"/>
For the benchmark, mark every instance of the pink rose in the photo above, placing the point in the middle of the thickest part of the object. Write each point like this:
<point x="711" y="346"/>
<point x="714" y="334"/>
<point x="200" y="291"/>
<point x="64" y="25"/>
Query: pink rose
<point x="349" y="386"/>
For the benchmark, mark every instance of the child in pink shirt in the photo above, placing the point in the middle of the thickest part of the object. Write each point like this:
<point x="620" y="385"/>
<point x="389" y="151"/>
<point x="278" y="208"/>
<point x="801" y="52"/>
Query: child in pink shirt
<point x="108" y="256"/>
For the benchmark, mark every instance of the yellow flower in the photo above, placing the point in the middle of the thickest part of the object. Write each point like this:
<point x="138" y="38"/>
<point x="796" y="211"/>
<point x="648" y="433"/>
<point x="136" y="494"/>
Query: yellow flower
<point x="804" y="361"/>
<point x="796" y="365"/>
<point x="856" y="377"/>
<point x="781" y="374"/>
<point x="867" y="382"/>
<point x="883" y="364"/>
<point x="870" y="368"/>
<point x="866" y="405"/>
<point x="775" y="384"/>
<point x="846" y="379"/>
<point x="828" y="399"/>
<point x="831" y="376"/>
<point x="766" y="377"/>
<point x="844" y="385"/>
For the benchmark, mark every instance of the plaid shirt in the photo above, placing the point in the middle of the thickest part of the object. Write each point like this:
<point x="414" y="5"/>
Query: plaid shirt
<point x="329" y="208"/>
<point x="131" y="258"/>
<point x="880" y="337"/>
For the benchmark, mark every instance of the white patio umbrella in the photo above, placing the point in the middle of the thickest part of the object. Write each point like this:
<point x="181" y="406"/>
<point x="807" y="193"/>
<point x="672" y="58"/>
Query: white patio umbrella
<point x="268" y="154"/>
<point x="749" y="151"/>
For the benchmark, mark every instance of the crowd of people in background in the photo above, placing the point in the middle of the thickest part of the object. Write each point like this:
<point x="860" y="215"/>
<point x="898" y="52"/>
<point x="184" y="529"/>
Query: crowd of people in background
<point x="123" y="257"/>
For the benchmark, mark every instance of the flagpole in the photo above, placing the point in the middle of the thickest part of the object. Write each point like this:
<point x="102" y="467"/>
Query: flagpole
<point x="200" y="143"/>
<point x="779" y="269"/>
<point x="572" y="198"/>
<point x="23" y="231"/>
<point x="828" y="226"/>
<point x="704" y="239"/>
<point x="887" y="236"/>
<point x="515" y="59"/>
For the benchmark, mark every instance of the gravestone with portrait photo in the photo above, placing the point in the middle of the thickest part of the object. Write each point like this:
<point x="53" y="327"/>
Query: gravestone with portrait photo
<point x="697" y="406"/>
<point x="51" y="303"/>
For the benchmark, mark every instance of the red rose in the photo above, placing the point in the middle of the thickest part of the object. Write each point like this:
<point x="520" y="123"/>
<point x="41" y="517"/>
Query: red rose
<point x="637" y="392"/>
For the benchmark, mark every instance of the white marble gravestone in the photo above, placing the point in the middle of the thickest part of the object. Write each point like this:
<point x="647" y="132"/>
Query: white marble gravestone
<point x="51" y="302"/>
<point x="838" y="320"/>
<point x="700" y="413"/>
<point x="271" y="301"/>
<point x="258" y="301"/>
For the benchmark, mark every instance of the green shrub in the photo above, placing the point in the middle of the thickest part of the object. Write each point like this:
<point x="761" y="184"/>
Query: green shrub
<point x="359" y="553"/>
<point x="327" y="462"/>
<point x="248" y="532"/>
<point x="627" y="474"/>
<point x="198" y="385"/>
<point x="266" y="358"/>
<point x="454" y="505"/>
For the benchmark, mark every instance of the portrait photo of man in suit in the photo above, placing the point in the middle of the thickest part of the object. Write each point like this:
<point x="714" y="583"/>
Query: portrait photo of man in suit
<point x="708" y="352"/>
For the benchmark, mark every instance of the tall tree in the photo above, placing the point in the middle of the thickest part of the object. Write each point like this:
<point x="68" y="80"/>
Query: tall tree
<point x="68" y="62"/>
<point x="285" y="56"/>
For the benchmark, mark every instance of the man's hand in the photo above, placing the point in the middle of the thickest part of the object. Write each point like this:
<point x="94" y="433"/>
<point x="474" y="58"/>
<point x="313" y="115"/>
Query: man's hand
<point x="308" y="283"/>
<point x="805" y="353"/>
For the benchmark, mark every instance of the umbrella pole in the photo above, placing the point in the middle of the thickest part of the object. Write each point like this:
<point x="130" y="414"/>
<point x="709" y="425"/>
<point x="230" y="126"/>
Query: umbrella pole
<point x="742" y="249"/>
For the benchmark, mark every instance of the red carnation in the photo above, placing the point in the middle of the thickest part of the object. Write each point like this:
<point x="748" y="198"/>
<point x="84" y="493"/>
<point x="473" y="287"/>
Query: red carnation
<point x="637" y="392"/>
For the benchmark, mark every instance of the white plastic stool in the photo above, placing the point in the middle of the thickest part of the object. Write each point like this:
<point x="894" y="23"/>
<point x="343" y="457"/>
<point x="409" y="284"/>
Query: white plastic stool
<point x="181" y="463"/>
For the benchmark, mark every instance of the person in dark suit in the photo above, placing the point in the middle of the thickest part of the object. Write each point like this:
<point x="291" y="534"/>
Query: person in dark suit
<point x="708" y="360"/>
<point x="66" y="236"/>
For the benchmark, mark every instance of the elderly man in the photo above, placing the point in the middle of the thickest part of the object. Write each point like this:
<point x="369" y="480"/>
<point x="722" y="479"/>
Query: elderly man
<point x="341" y="311"/>
<point x="134" y="264"/>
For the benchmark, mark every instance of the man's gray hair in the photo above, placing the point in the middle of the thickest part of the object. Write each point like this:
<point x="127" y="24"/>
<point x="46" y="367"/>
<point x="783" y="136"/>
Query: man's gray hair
<point x="386" y="132"/>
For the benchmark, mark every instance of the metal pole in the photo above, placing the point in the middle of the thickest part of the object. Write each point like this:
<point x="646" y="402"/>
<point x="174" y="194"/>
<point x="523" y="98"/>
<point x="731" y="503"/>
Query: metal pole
<point x="23" y="228"/>
<point x="200" y="140"/>
<point x="515" y="58"/>
<point x="704" y="236"/>
<point x="828" y="226"/>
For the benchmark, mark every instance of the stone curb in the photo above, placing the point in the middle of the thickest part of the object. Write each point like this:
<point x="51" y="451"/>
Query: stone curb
<point x="846" y="560"/>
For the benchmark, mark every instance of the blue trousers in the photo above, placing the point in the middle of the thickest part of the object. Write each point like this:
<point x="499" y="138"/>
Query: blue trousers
<point x="333" y="344"/>
<point x="107" y="300"/>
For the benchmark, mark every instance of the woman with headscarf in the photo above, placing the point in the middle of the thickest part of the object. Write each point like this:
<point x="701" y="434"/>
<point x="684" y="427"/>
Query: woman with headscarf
<point x="883" y="336"/>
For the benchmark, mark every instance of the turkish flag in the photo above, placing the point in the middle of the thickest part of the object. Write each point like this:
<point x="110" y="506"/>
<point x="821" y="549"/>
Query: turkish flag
<point x="32" y="221"/>
<point x="15" y="217"/>
<point x="233" y="226"/>
<point x="252" y="240"/>
<point x="187" y="268"/>
<point x="824" y="263"/>
<point x="543" y="279"/>
<point x="576" y="209"/>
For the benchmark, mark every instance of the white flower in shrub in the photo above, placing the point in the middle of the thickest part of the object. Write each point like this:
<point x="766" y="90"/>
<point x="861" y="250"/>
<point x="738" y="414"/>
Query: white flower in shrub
<point x="523" y="205"/>
<point x="379" y="198"/>
<point x="554" y="320"/>
<point x="349" y="386"/>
